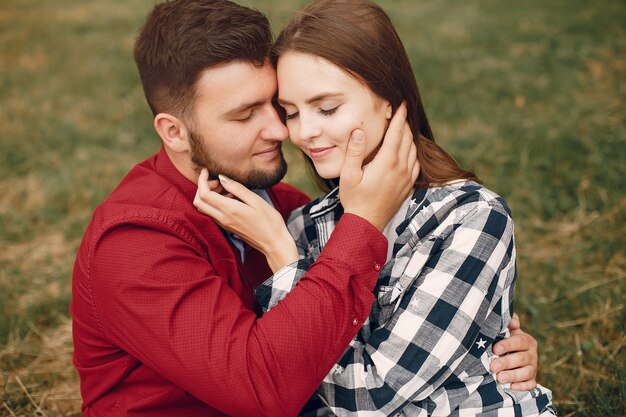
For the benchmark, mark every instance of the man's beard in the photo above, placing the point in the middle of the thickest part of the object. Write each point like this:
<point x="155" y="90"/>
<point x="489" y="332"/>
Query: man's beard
<point x="253" y="179"/>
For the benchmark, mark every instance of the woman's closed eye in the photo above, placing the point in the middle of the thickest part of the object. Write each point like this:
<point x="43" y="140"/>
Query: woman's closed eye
<point x="323" y="112"/>
<point x="328" y="112"/>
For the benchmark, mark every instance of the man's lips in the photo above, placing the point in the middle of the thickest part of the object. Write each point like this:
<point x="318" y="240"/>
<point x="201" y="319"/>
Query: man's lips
<point x="273" y="151"/>
<point x="318" y="153"/>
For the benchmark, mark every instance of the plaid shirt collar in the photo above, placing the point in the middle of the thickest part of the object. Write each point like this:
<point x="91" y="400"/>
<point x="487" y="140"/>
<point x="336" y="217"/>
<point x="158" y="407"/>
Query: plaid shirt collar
<point x="331" y="205"/>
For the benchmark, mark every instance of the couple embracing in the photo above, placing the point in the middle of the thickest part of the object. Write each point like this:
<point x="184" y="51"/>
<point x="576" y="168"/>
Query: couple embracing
<point x="205" y="287"/>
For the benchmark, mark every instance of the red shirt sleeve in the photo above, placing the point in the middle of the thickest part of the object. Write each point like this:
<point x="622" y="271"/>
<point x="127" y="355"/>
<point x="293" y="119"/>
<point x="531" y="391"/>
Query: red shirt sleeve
<point x="160" y="300"/>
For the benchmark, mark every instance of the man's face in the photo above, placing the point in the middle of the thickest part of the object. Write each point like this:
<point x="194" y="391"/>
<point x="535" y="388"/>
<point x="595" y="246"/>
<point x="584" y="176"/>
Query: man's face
<point x="236" y="130"/>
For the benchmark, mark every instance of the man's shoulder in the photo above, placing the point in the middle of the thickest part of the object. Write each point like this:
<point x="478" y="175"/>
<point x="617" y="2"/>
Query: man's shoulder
<point x="145" y="199"/>
<point x="144" y="186"/>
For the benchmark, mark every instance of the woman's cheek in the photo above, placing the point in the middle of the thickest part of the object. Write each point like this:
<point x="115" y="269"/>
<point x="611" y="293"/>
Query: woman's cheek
<point x="344" y="127"/>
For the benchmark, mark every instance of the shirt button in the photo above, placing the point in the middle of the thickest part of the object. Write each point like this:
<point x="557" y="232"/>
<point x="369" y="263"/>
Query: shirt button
<point x="377" y="266"/>
<point x="355" y="321"/>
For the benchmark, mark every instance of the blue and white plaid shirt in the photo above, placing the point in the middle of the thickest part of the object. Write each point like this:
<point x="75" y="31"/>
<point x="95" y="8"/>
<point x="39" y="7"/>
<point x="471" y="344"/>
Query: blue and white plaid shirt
<point x="442" y="301"/>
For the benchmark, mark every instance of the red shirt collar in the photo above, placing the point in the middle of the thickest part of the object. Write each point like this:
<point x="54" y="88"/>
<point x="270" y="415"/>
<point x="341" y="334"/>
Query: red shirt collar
<point x="164" y="166"/>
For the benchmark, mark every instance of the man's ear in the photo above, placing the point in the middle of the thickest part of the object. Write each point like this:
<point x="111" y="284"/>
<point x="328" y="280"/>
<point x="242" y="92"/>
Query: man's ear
<point x="173" y="132"/>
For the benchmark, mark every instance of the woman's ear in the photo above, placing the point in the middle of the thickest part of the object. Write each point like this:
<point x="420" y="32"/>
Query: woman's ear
<point x="173" y="132"/>
<point x="388" y="111"/>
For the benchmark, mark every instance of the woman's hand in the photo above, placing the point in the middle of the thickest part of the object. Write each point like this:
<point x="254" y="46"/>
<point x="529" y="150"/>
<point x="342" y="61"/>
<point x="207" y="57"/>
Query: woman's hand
<point x="517" y="363"/>
<point x="249" y="217"/>
<point x="376" y="191"/>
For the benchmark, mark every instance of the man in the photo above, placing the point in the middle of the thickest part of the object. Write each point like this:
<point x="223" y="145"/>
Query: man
<point x="162" y="307"/>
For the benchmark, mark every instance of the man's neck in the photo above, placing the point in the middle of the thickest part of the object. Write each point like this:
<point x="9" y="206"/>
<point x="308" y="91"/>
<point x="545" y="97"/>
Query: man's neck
<point x="183" y="164"/>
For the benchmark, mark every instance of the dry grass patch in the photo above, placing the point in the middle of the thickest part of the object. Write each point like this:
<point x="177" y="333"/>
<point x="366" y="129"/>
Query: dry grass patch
<point x="47" y="385"/>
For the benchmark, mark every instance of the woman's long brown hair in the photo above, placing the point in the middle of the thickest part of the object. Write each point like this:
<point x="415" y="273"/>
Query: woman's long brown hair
<point x="358" y="37"/>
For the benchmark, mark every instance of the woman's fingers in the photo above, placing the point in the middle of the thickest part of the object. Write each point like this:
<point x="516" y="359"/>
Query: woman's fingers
<point x="218" y="206"/>
<point x="204" y="190"/>
<point x="216" y="187"/>
<point x="204" y="207"/>
<point x="249" y="216"/>
<point x="236" y="209"/>
<point x="203" y="179"/>
<point x="241" y="192"/>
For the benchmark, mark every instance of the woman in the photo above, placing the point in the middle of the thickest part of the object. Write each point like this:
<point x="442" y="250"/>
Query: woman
<point x="445" y="295"/>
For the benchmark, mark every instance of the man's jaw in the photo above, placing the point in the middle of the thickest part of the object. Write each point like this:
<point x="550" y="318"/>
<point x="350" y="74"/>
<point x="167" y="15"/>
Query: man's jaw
<point x="252" y="178"/>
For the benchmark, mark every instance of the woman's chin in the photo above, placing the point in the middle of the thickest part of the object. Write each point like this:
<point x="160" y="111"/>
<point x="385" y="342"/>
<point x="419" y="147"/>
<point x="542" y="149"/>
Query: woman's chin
<point x="328" y="175"/>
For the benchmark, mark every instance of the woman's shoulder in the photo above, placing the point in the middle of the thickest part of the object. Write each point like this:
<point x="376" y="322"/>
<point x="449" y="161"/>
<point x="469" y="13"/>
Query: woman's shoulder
<point x="305" y="209"/>
<point x="318" y="205"/>
<point x="464" y="195"/>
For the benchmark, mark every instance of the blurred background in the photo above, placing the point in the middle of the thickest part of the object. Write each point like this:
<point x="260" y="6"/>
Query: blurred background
<point x="529" y="95"/>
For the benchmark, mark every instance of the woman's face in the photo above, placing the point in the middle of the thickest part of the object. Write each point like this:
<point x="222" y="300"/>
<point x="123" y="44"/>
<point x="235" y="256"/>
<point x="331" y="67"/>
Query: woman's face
<point x="324" y="104"/>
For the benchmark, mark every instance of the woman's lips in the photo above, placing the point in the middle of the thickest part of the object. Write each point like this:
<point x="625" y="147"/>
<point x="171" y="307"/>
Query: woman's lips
<point x="319" y="153"/>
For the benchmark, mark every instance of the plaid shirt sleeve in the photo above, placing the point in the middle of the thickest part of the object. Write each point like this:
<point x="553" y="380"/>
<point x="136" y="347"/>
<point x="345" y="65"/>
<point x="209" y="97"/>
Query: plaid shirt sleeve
<point x="275" y="288"/>
<point x="458" y="286"/>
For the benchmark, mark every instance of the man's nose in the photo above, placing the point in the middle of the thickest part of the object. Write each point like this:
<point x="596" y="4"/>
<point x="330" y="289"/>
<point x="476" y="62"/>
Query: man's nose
<point x="275" y="128"/>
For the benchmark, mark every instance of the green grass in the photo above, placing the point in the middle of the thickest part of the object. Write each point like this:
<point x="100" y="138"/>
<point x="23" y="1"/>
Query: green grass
<point x="528" y="94"/>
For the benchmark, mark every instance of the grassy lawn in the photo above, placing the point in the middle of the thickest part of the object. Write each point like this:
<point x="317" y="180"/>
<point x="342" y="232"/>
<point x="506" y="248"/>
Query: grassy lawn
<point x="530" y="95"/>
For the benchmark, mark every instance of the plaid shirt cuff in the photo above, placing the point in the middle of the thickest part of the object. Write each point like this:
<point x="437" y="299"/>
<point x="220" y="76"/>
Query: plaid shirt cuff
<point x="269" y="293"/>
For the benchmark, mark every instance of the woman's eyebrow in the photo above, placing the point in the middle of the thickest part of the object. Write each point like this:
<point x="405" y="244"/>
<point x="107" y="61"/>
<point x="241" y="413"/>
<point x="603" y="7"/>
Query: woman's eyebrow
<point x="317" y="97"/>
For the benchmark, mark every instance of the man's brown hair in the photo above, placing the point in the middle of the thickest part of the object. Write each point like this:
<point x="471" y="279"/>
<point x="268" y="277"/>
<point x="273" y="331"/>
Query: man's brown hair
<point x="182" y="38"/>
<point x="358" y="37"/>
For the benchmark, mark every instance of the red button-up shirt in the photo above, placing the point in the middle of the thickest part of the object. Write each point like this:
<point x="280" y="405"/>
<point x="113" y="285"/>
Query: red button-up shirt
<point x="163" y="314"/>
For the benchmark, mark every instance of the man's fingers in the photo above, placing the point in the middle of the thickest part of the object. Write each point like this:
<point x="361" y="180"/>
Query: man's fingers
<point x="352" y="170"/>
<point x="517" y="342"/>
<point x="407" y="139"/>
<point x="416" y="171"/>
<point x="523" y="375"/>
<point x="512" y="361"/>
<point x="395" y="131"/>
<point x="411" y="157"/>
<point x="524" y="386"/>
<point x="514" y="324"/>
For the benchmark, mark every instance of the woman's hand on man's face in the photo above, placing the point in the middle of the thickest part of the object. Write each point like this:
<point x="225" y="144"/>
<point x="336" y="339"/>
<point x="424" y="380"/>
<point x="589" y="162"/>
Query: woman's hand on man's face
<point x="247" y="215"/>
